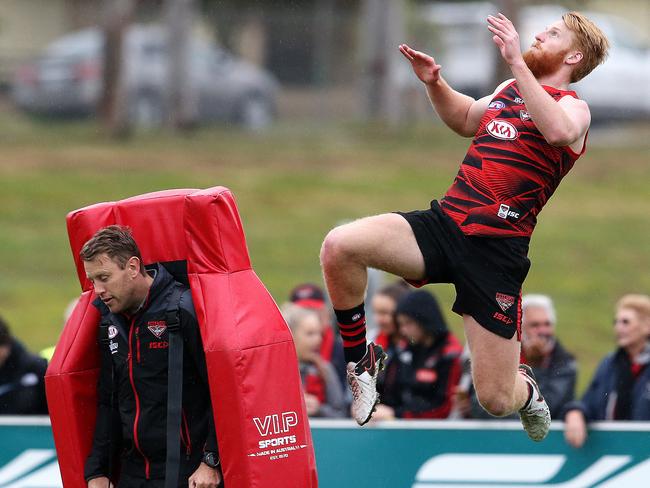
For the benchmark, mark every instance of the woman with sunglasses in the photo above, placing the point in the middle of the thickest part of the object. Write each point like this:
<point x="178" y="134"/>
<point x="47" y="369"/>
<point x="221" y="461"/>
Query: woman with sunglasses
<point x="618" y="390"/>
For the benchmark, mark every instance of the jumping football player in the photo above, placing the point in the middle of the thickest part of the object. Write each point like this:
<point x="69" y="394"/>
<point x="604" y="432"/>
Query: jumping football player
<point x="526" y="137"/>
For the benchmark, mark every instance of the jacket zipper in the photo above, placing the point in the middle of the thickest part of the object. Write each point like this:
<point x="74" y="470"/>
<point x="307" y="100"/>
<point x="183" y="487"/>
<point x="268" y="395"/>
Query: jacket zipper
<point x="186" y="437"/>
<point x="137" y="401"/>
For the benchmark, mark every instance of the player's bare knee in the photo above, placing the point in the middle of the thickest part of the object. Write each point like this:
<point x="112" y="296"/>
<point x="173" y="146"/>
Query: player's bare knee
<point x="495" y="399"/>
<point x="495" y="402"/>
<point x="335" y="249"/>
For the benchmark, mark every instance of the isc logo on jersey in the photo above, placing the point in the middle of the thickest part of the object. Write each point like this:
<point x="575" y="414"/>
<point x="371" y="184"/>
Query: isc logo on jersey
<point x="502" y="129"/>
<point x="505" y="212"/>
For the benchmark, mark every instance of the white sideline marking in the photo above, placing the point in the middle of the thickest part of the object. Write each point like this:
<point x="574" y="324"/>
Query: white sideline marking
<point x="47" y="477"/>
<point x="23" y="463"/>
<point x="521" y="468"/>
<point x="605" y="466"/>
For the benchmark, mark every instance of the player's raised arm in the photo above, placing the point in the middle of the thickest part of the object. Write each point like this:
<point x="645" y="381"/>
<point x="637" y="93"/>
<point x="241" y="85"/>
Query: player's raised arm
<point x="460" y="112"/>
<point x="563" y="123"/>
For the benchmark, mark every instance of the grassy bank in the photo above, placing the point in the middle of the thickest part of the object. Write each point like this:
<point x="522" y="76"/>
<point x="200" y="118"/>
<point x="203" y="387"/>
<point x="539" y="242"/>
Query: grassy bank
<point x="292" y="185"/>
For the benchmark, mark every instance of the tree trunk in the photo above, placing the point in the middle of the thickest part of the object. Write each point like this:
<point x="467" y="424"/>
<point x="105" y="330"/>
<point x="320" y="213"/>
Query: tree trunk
<point x="182" y="101"/>
<point x="113" y="106"/>
<point x="382" y="31"/>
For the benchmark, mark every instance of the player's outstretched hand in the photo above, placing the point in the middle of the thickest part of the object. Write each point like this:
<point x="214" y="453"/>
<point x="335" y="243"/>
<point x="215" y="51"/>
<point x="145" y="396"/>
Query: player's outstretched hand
<point x="424" y="66"/>
<point x="505" y="37"/>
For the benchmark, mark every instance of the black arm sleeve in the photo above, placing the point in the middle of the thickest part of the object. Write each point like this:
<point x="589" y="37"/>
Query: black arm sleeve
<point x="108" y="426"/>
<point x="192" y="338"/>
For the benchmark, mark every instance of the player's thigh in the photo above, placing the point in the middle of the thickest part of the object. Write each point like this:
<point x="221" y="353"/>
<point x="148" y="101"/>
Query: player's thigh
<point x="384" y="242"/>
<point x="495" y="359"/>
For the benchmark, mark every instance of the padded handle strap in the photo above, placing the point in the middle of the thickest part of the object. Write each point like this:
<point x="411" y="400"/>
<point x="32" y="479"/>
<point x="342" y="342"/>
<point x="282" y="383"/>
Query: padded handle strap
<point x="174" y="388"/>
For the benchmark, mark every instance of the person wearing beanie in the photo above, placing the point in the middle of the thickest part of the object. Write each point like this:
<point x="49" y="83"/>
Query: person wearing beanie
<point x="422" y="384"/>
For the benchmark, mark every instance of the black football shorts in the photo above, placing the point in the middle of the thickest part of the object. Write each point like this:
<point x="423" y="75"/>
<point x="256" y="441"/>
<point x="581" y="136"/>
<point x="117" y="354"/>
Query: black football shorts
<point x="487" y="272"/>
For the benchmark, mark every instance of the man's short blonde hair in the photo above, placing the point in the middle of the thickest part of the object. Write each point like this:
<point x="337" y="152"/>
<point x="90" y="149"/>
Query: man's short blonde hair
<point x="639" y="303"/>
<point x="589" y="40"/>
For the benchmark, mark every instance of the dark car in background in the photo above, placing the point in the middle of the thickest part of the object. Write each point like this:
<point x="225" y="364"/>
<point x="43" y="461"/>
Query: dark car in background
<point x="67" y="80"/>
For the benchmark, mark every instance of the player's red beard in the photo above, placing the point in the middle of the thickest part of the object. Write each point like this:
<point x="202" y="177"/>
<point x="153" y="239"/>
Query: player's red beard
<point x="542" y="63"/>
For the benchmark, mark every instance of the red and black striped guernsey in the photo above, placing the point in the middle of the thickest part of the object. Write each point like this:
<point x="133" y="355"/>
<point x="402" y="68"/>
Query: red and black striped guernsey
<point x="509" y="172"/>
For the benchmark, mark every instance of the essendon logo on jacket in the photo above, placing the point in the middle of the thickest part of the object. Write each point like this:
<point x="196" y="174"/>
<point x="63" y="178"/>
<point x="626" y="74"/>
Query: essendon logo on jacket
<point x="157" y="327"/>
<point x="502" y="129"/>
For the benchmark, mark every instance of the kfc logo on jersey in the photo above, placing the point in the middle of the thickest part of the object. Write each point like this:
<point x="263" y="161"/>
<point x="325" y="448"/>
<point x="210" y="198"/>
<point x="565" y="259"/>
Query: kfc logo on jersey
<point x="112" y="331"/>
<point x="505" y="212"/>
<point x="502" y="129"/>
<point x="505" y="301"/>
<point x="157" y="327"/>
<point x="525" y="116"/>
<point x="496" y="105"/>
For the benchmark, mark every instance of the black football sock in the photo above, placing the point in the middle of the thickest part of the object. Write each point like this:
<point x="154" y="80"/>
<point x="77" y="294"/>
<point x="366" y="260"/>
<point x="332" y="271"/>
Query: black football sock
<point x="352" y="325"/>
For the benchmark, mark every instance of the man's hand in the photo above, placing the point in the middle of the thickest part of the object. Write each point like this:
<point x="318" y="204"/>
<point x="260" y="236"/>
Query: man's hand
<point x="101" y="482"/>
<point x="461" y="402"/>
<point x="424" y="66"/>
<point x="312" y="404"/>
<point x="575" y="428"/>
<point x="506" y="38"/>
<point x="383" y="412"/>
<point x="204" y="477"/>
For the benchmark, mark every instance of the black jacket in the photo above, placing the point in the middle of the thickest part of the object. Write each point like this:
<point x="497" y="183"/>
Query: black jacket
<point x="556" y="379"/>
<point x="419" y="381"/>
<point x="22" y="390"/>
<point x="614" y="392"/>
<point x="134" y="420"/>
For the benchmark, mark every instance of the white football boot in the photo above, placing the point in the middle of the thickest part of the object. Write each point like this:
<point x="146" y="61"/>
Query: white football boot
<point x="535" y="415"/>
<point x="362" y="378"/>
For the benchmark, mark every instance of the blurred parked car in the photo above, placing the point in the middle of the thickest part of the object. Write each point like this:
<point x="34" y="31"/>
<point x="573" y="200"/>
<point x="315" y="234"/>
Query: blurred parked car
<point x="461" y="43"/>
<point x="67" y="80"/>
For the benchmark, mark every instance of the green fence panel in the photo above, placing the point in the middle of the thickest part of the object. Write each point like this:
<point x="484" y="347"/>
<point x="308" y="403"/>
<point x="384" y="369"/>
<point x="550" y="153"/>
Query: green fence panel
<point x="406" y="454"/>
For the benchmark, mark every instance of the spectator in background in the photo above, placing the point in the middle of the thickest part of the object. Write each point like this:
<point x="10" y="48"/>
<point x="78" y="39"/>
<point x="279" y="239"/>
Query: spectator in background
<point x="429" y="367"/>
<point x="324" y="396"/>
<point x="620" y="386"/>
<point x="554" y="368"/>
<point x="22" y="387"/>
<point x="311" y="296"/>
<point x="383" y="304"/>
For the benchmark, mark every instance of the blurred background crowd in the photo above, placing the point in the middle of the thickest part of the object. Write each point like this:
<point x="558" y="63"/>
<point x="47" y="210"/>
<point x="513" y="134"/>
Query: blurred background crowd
<point x="306" y="111"/>
<point x="427" y="374"/>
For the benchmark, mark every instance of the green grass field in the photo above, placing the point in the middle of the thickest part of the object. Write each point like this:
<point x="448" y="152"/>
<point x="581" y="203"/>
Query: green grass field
<point x="293" y="184"/>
